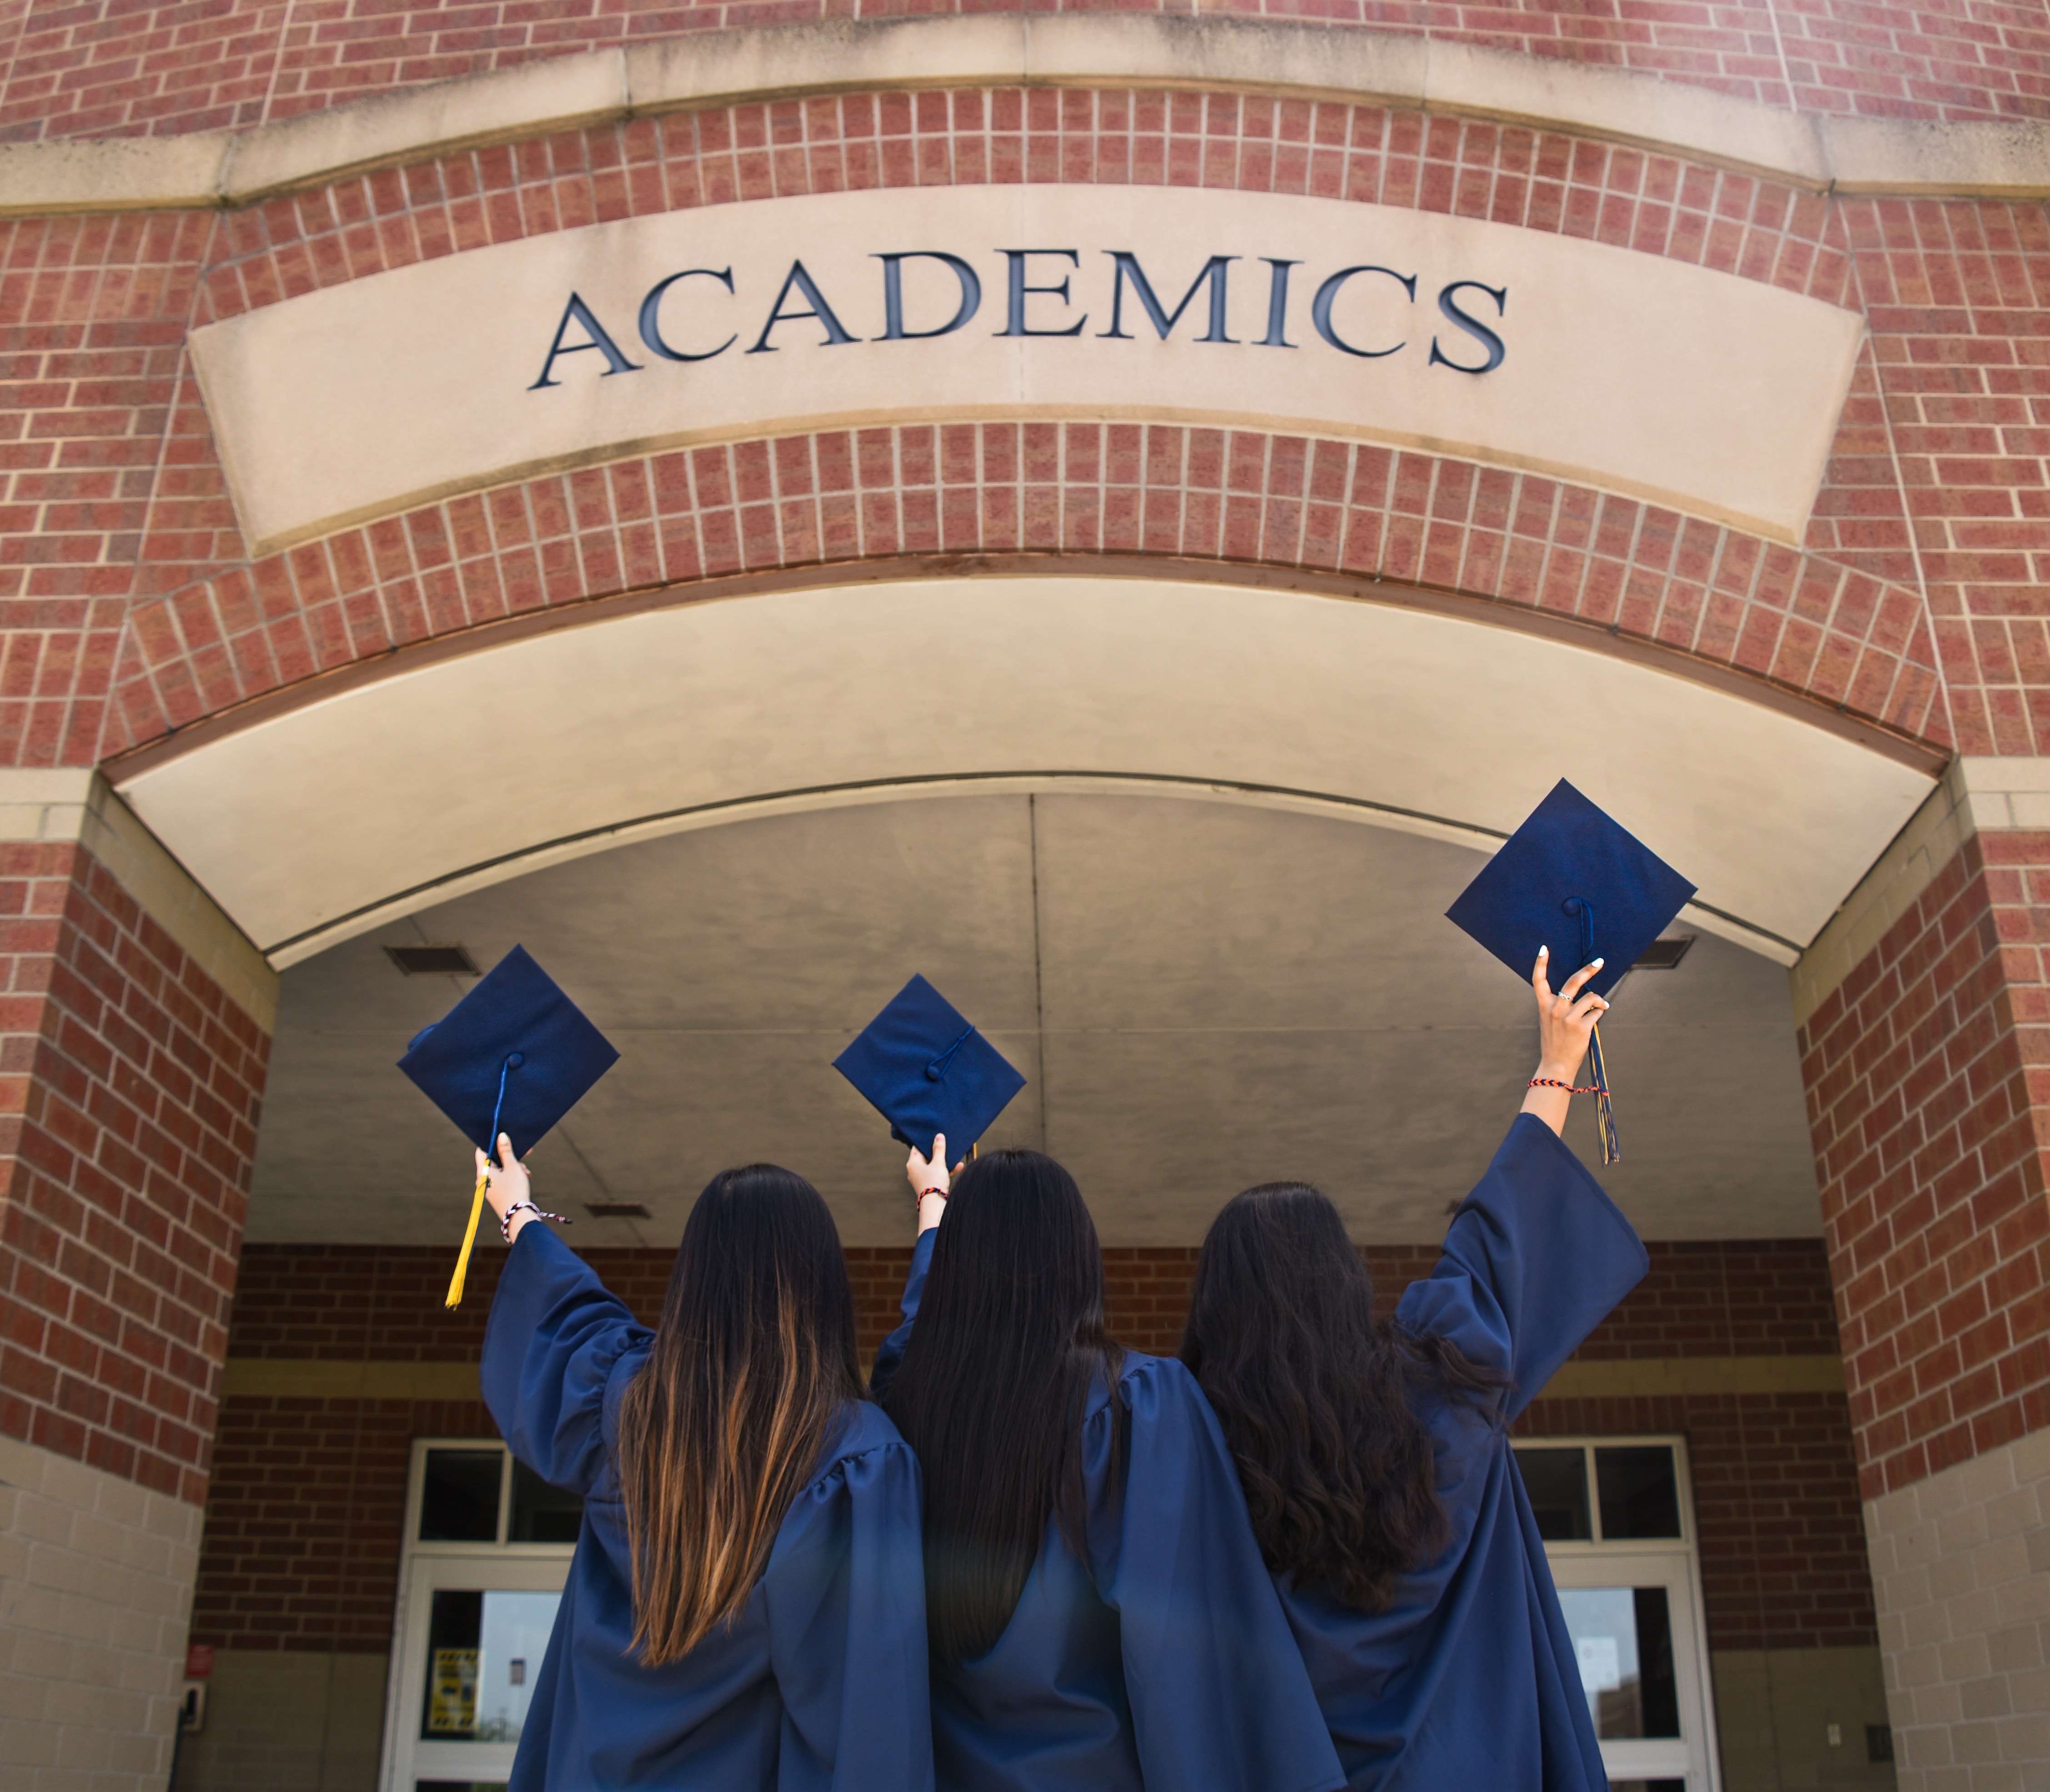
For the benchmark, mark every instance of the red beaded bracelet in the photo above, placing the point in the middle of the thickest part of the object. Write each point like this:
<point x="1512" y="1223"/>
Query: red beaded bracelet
<point x="1554" y="1082"/>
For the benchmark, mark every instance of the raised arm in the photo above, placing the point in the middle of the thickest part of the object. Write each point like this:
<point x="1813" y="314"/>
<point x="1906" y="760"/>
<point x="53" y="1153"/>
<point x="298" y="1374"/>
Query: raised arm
<point x="1538" y="1254"/>
<point x="930" y="1181"/>
<point x="553" y="1339"/>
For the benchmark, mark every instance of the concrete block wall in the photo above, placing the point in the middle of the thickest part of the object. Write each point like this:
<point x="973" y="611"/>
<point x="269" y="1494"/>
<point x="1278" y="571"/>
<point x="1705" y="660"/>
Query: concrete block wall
<point x="95" y="1593"/>
<point x="1961" y="1570"/>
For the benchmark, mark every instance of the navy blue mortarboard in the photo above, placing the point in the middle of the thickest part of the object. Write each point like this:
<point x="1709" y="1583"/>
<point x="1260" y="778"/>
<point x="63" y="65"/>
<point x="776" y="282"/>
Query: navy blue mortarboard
<point x="928" y="1071"/>
<point x="513" y="1056"/>
<point x="1570" y="879"/>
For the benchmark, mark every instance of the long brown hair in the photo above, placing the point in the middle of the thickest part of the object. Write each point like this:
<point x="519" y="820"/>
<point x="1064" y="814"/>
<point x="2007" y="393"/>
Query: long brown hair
<point x="1313" y="1396"/>
<point x="752" y="1363"/>
<point x="994" y="1385"/>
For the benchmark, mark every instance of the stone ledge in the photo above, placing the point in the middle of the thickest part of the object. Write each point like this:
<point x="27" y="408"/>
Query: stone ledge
<point x="1976" y="796"/>
<point x="76" y="804"/>
<point x="1643" y="1376"/>
<point x="534" y="99"/>
<point x="290" y="1378"/>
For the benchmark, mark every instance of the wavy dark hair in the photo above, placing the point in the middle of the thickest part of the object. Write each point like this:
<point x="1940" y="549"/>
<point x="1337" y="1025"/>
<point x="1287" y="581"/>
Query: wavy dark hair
<point x="752" y="1363"/>
<point x="993" y="1388"/>
<point x="1313" y="1396"/>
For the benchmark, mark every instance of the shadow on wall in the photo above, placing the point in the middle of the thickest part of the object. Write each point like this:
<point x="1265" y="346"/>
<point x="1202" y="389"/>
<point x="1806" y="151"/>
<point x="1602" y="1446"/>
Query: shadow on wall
<point x="312" y="1722"/>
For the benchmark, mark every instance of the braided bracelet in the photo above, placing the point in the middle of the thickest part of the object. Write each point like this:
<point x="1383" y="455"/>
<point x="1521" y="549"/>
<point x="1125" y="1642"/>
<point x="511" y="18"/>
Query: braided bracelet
<point x="1554" y="1082"/>
<point x="506" y="1225"/>
<point x="923" y="1193"/>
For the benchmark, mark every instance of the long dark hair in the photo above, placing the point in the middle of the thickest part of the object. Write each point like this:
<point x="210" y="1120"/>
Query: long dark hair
<point x="994" y="1385"/>
<point x="753" y="1363"/>
<point x="1312" y="1394"/>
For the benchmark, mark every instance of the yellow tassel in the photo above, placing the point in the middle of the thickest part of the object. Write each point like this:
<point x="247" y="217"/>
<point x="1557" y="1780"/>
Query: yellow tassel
<point x="469" y="1239"/>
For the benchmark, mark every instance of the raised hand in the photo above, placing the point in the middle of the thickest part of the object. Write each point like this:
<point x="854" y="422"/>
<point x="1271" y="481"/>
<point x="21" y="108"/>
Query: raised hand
<point x="1565" y="1022"/>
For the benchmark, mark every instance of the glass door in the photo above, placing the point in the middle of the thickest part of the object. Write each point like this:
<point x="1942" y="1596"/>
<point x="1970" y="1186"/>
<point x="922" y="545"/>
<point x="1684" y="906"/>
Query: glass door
<point x="1637" y="1667"/>
<point x="489" y="1547"/>
<point x="1618" y="1534"/>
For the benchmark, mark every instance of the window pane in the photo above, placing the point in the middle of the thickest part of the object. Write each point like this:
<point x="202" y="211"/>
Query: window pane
<point x="1640" y="1495"/>
<point x="1623" y="1641"/>
<point x="484" y="1656"/>
<point x="542" y="1513"/>
<point x="1556" y="1481"/>
<point x="459" y="1496"/>
<point x="514" y="1637"/>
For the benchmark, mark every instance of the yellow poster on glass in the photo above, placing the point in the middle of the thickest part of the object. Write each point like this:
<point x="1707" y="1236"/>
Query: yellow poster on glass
<point x="452" y="1692"/>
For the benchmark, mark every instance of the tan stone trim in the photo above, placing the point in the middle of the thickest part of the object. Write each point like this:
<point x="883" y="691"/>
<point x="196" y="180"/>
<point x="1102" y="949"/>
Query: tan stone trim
<point x="534" y="99"/>
<point x="77" y="805"/>
<point x="288" y="1378"/>
<point x="282" y="1378"/>
<point x="1644" y="1376"/>
<point x="1976" y="796"/>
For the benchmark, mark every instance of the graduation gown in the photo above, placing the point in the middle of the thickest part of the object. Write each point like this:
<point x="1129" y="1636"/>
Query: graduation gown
<point x="1469" y="1679"/>
<point x="818" y="1684"/>
<point x="1162" y="1660"/>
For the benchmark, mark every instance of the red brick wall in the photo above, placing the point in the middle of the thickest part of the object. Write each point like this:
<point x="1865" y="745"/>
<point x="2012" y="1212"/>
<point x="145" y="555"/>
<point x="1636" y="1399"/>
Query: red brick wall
<point x="1776" y="1507"/>
<point x="382" y="1304"/>
<point x="1926" y="1089"/>
<point x="303" y="1529"/>
<point x="304" y="1525"/>
<point x="128" y="608"/>
<point x="117" y="539"/>
<point x="111" y="68"/>
<point x="129" y="1089"/>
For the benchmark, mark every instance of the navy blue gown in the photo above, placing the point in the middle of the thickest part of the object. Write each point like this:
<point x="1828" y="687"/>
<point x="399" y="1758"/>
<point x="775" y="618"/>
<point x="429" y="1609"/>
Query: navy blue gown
<point x="1164" y="1661"/>
<point x="1469" y="1679"/>
<point x="820" y="1683"/>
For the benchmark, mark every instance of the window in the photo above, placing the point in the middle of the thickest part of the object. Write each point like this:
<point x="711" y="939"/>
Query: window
<point x="1618" y="1526"/>
<point x="488" y="1546"/>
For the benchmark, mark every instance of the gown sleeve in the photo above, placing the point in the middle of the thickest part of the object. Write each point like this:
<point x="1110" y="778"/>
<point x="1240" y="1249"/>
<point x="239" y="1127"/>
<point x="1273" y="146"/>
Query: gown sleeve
<point x="1535" y="1259"/>
<point x="891" y="1352"/>
<point x="555" y="1337"/>
<point x="1221" y="1701"/>
<point x="847" y="1626"/>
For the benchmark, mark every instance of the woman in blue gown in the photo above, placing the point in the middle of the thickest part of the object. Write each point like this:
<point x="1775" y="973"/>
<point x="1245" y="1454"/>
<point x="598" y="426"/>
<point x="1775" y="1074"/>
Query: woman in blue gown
<point x="1098" y="1611"/>
<point x="745" y="1608"/>
<point x="1376" y="1458"/>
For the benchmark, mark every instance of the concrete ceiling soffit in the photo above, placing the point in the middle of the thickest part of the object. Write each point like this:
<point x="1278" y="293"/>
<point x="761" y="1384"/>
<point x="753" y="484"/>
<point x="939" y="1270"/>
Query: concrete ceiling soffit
<point x="322" y="822"/>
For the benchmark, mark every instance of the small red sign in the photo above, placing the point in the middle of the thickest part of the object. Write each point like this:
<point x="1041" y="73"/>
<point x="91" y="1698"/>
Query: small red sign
<point x="199" y="1661"/>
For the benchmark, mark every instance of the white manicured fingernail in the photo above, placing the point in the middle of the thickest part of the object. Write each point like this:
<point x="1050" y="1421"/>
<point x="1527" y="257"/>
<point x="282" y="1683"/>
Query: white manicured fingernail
<point x="1598" y="964"/>
<point x="1544" y="951"/>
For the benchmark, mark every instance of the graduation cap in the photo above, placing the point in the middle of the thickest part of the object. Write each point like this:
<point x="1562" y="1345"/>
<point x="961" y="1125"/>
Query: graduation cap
<point x="927" y="1070"/>
<point x="513" y="1056"/>
<point x="1570" y="879"/>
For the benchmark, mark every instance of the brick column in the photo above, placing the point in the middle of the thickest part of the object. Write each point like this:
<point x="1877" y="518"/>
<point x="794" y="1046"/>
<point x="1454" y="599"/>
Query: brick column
<point x="1925" y="1043"/>
<point x="134" y="1029"/>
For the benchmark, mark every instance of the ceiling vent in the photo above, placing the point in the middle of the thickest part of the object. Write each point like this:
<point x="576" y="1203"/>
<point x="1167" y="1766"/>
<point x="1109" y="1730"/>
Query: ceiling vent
<point x="433" y="961"/>
<point x="616" y="1210"/>
<point x="1664" y="955"/>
